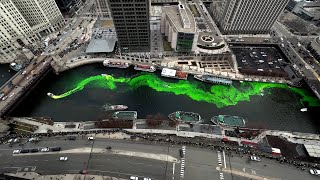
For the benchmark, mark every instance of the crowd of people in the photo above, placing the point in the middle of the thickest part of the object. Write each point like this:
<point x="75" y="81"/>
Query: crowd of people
<point x="201" y="142"/>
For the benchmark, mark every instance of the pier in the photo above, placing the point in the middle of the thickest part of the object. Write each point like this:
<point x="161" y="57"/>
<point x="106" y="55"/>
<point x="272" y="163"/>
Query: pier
<point x="20" y="84"/>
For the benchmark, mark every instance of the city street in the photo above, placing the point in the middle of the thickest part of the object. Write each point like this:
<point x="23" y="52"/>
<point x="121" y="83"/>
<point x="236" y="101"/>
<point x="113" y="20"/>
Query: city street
<point x="128" y="158"/>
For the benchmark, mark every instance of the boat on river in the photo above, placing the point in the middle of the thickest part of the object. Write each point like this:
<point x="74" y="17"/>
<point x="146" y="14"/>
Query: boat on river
<point x="185" y="117"/>
<point x="108" y="107"/>
<point x="304" y="109"/>
<point x="213" y="79"/>
<point x="228" y="121"/>
<point x="125" y="115"/>
<point x="146" y="68"/>
<point x="50" y="94"/>
<point x="172" y="73"/>
<point x="116" y="64"/>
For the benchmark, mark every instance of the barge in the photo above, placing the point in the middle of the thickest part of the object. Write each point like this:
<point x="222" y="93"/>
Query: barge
<point x="146" y="68"/>
<point x="213" y="79"/>
<point x="116" y="64"/>
<point x="228" y="121"/>
<point x="172" y="73"/>
<point x="185" y="117"/>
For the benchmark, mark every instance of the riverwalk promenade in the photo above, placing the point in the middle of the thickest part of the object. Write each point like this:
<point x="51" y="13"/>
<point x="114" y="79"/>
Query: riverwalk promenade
<point x="172" y="62"/>
<point x="294" y="137"/>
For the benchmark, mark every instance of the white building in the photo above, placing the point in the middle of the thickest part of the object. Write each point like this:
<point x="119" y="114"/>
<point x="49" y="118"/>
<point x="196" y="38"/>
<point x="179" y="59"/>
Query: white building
<point x="179" y="27"/>
<point x="23" y="22"/>
<point x="247" y="16"/>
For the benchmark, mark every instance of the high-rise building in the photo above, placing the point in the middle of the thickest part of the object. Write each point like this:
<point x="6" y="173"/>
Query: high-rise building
<point x="103" y="8"/>
<point x="131" y="21"/>
<point x="41" y="14"/>
<point x="67" y="7"/>
<point x="23" y="22"/>
<point x="247" y="16"/>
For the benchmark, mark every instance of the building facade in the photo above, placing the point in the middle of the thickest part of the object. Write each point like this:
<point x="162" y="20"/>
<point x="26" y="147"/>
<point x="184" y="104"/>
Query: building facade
<point x="131" y="20"/>
<point x="67" y="7"/>
<point x="43" y="16"/>
<point x="103" y="10"/>
<point x="23" y="22"/>
<point x="247" y="16"/>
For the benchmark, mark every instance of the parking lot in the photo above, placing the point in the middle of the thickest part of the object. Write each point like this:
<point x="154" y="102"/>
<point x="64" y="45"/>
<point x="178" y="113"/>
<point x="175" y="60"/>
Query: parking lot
<point x="264" y="60"/>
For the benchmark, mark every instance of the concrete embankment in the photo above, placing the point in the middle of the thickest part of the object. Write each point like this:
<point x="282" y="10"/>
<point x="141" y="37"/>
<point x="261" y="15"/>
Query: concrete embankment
<point x="75" y="62"/>
<point x="294" y="137"/>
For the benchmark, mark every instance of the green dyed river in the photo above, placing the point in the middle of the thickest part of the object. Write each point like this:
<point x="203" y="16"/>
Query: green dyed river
<point x="79" y="95"/>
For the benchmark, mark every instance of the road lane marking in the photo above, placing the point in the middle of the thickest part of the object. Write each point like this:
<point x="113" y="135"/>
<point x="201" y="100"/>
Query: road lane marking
<point x="173" y="167"/>
<point x="224" y="159"/>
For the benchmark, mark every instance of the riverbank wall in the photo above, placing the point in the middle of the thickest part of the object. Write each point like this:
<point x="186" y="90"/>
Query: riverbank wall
<point x="172" y="63"/>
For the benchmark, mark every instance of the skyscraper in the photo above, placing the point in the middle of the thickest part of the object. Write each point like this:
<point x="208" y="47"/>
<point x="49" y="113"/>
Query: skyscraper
<point x="131" y="21"/>
<point x="247" y="16"/>
<point x="103" y="8"/>
<point x="23" y="22"/>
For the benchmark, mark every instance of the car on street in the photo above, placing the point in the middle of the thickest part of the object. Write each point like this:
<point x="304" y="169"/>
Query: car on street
<point x="181" y="153"/>
<point x="24" y="151"/>
<point x="45" y="150"/>
<point x="71" y="138"/>
<point x="12" y="94"/>
<point x="34" y="150"/>
<point x="255" y="158"/>
<point x="91" y="138"/>
<point x="56" y="149"/>
<point x="134" y="178"/>
<point x="63" y="158"/>
<point x="315" y="172"/>
<point x="16" y="151"/>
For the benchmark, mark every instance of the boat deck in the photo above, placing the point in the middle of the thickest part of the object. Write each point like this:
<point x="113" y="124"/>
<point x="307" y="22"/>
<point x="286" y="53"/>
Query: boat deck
<point x="127" y="115"/>
<point x="232" y="120"/>
<point x="217" y="80"/>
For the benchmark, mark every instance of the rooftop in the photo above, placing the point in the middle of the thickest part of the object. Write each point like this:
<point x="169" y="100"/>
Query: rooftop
<point x="103" y="40"/>
<point x="180" y="22"/>
<point x="313" y="150"/>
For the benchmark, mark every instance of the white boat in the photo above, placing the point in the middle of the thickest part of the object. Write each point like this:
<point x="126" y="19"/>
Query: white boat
<point x="146" y="68"/>
<point x="241" y="81"/>
<point x="116" y="64"/>
<point x="114" y="107"/>
<point x="50" y="94"/>
<point x="304" y="110"/>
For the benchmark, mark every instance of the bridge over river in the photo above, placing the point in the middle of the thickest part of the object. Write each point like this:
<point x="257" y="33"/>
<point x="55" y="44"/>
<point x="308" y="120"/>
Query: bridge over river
<point x="20" y="84"/>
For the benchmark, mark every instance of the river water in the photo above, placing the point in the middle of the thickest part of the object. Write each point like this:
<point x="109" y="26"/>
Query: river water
<point x="262" y="105"/>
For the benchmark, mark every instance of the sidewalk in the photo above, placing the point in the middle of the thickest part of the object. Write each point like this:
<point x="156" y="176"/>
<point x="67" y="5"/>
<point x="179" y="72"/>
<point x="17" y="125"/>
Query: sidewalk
<point x="36" y="176"/>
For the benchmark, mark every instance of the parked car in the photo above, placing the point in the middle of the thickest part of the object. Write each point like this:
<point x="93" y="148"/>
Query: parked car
<point x="24" y="151"/>
<point x="56" y="149"/>
<point x="45" y="150"/>
<point x="315" y="172"/>
<point x="63" y="158"/>
<point x="90" y="138"/>
<point x="133" y="178"/>
<point x="34" y="150"/>
<point x="255" y="158"/>
<point x="17" y="151"/>
<point x="71" y="138"/>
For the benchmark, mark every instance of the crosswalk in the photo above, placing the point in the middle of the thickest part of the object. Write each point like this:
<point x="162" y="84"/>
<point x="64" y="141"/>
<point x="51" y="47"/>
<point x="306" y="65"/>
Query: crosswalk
<point x="220" y="164"/>
<point x="183" y="162"/>
<point x="219" y="158"/>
